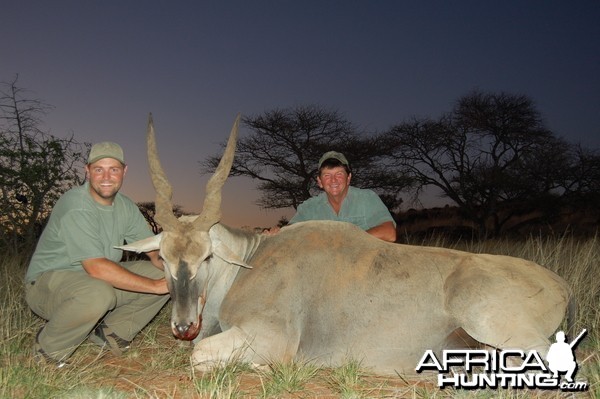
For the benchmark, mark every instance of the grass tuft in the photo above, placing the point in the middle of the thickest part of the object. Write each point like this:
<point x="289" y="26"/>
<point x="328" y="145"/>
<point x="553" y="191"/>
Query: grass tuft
<point x="287" y="377"/>
<point x="222" y="381"/>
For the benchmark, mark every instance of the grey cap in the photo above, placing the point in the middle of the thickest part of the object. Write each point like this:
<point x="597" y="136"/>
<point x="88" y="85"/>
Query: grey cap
<point x="334" y="155"/>
<point x="106" y="149"/>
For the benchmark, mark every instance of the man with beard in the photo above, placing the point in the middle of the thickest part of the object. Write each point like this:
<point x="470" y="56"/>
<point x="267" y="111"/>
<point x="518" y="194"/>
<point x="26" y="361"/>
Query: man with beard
<point x="76" y="280"/>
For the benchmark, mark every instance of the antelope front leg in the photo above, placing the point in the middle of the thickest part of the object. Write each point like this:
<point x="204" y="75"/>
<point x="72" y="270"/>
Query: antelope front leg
<point x="219" y="349"/>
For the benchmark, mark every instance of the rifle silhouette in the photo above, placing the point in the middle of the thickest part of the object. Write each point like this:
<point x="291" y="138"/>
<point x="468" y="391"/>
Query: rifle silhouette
<point x="578" y="338"/>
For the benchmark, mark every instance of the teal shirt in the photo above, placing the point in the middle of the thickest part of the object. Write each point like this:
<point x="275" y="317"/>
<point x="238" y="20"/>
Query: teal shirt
<point x="361" y="207"/>
<point x="79" y="228"/>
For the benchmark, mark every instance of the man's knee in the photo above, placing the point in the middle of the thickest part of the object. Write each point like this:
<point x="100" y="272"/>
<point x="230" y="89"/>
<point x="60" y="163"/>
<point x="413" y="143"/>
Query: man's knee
<point x="97" y="299"/>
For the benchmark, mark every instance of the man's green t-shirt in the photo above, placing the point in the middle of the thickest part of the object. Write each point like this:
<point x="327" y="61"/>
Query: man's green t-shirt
<point x="361" y="207"/>
<point x="79" y="228"/>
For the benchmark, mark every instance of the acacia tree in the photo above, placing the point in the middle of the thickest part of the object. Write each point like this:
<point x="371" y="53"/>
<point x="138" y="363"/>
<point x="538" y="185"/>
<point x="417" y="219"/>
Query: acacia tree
<point x="491" y="149"/>
<point x="283" y="151"/>
<point x="580" y="180"/>
<point x="35" y="167"/>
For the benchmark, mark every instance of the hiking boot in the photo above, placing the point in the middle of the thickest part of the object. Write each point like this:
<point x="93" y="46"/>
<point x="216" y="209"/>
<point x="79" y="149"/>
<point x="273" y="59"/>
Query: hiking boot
<point x="103" y="336"/>
<point x="42" y="358"/>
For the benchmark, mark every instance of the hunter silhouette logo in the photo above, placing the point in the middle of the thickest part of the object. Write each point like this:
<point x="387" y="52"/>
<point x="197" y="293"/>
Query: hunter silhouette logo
<point x="509" y="368"/>
<point x="560" y="355"/>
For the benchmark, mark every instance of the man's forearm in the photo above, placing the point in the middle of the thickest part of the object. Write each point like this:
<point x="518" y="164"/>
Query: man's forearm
<point x="119" y="277"/>
<point x="385" y="231"/>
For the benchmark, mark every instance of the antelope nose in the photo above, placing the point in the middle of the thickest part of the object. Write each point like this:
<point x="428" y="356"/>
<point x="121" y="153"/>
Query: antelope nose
<point x="182" y="329"/>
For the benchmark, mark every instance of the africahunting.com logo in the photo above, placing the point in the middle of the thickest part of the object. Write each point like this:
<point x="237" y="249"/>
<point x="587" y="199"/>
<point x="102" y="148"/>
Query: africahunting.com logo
<point x="480" y="368"/>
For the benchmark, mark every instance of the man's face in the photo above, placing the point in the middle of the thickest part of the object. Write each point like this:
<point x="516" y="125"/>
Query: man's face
<point x="334" y="181"/>
<point x="106" y="178"/>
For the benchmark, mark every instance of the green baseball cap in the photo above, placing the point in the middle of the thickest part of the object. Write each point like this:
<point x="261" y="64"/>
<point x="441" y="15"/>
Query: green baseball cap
<point x="106" y="149"/>
<point x="334" y="155"/>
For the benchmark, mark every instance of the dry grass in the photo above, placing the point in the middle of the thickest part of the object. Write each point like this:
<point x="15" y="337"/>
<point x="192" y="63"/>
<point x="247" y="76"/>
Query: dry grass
<point x="158" y="365"/>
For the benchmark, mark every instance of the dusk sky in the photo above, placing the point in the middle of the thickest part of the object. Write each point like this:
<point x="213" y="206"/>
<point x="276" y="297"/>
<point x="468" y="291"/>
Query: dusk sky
<point x="105" y="65"/>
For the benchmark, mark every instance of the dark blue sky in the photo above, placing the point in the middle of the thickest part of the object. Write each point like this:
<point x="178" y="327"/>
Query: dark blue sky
<point x="105" y="65"/>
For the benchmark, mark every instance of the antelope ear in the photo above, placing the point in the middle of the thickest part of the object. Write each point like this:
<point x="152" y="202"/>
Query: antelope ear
<point x="145" y="245"/>
<point x="222" y="251"/>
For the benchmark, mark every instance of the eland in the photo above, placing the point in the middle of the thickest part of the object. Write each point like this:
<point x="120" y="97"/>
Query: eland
<point x="327" y="291"/>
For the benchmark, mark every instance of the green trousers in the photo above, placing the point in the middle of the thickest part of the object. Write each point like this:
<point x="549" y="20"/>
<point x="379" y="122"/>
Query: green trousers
<point x="73" y="303"/>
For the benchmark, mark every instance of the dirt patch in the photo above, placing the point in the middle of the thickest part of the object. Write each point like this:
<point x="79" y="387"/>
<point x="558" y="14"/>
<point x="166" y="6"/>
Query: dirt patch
<point x="159" y="367"/>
